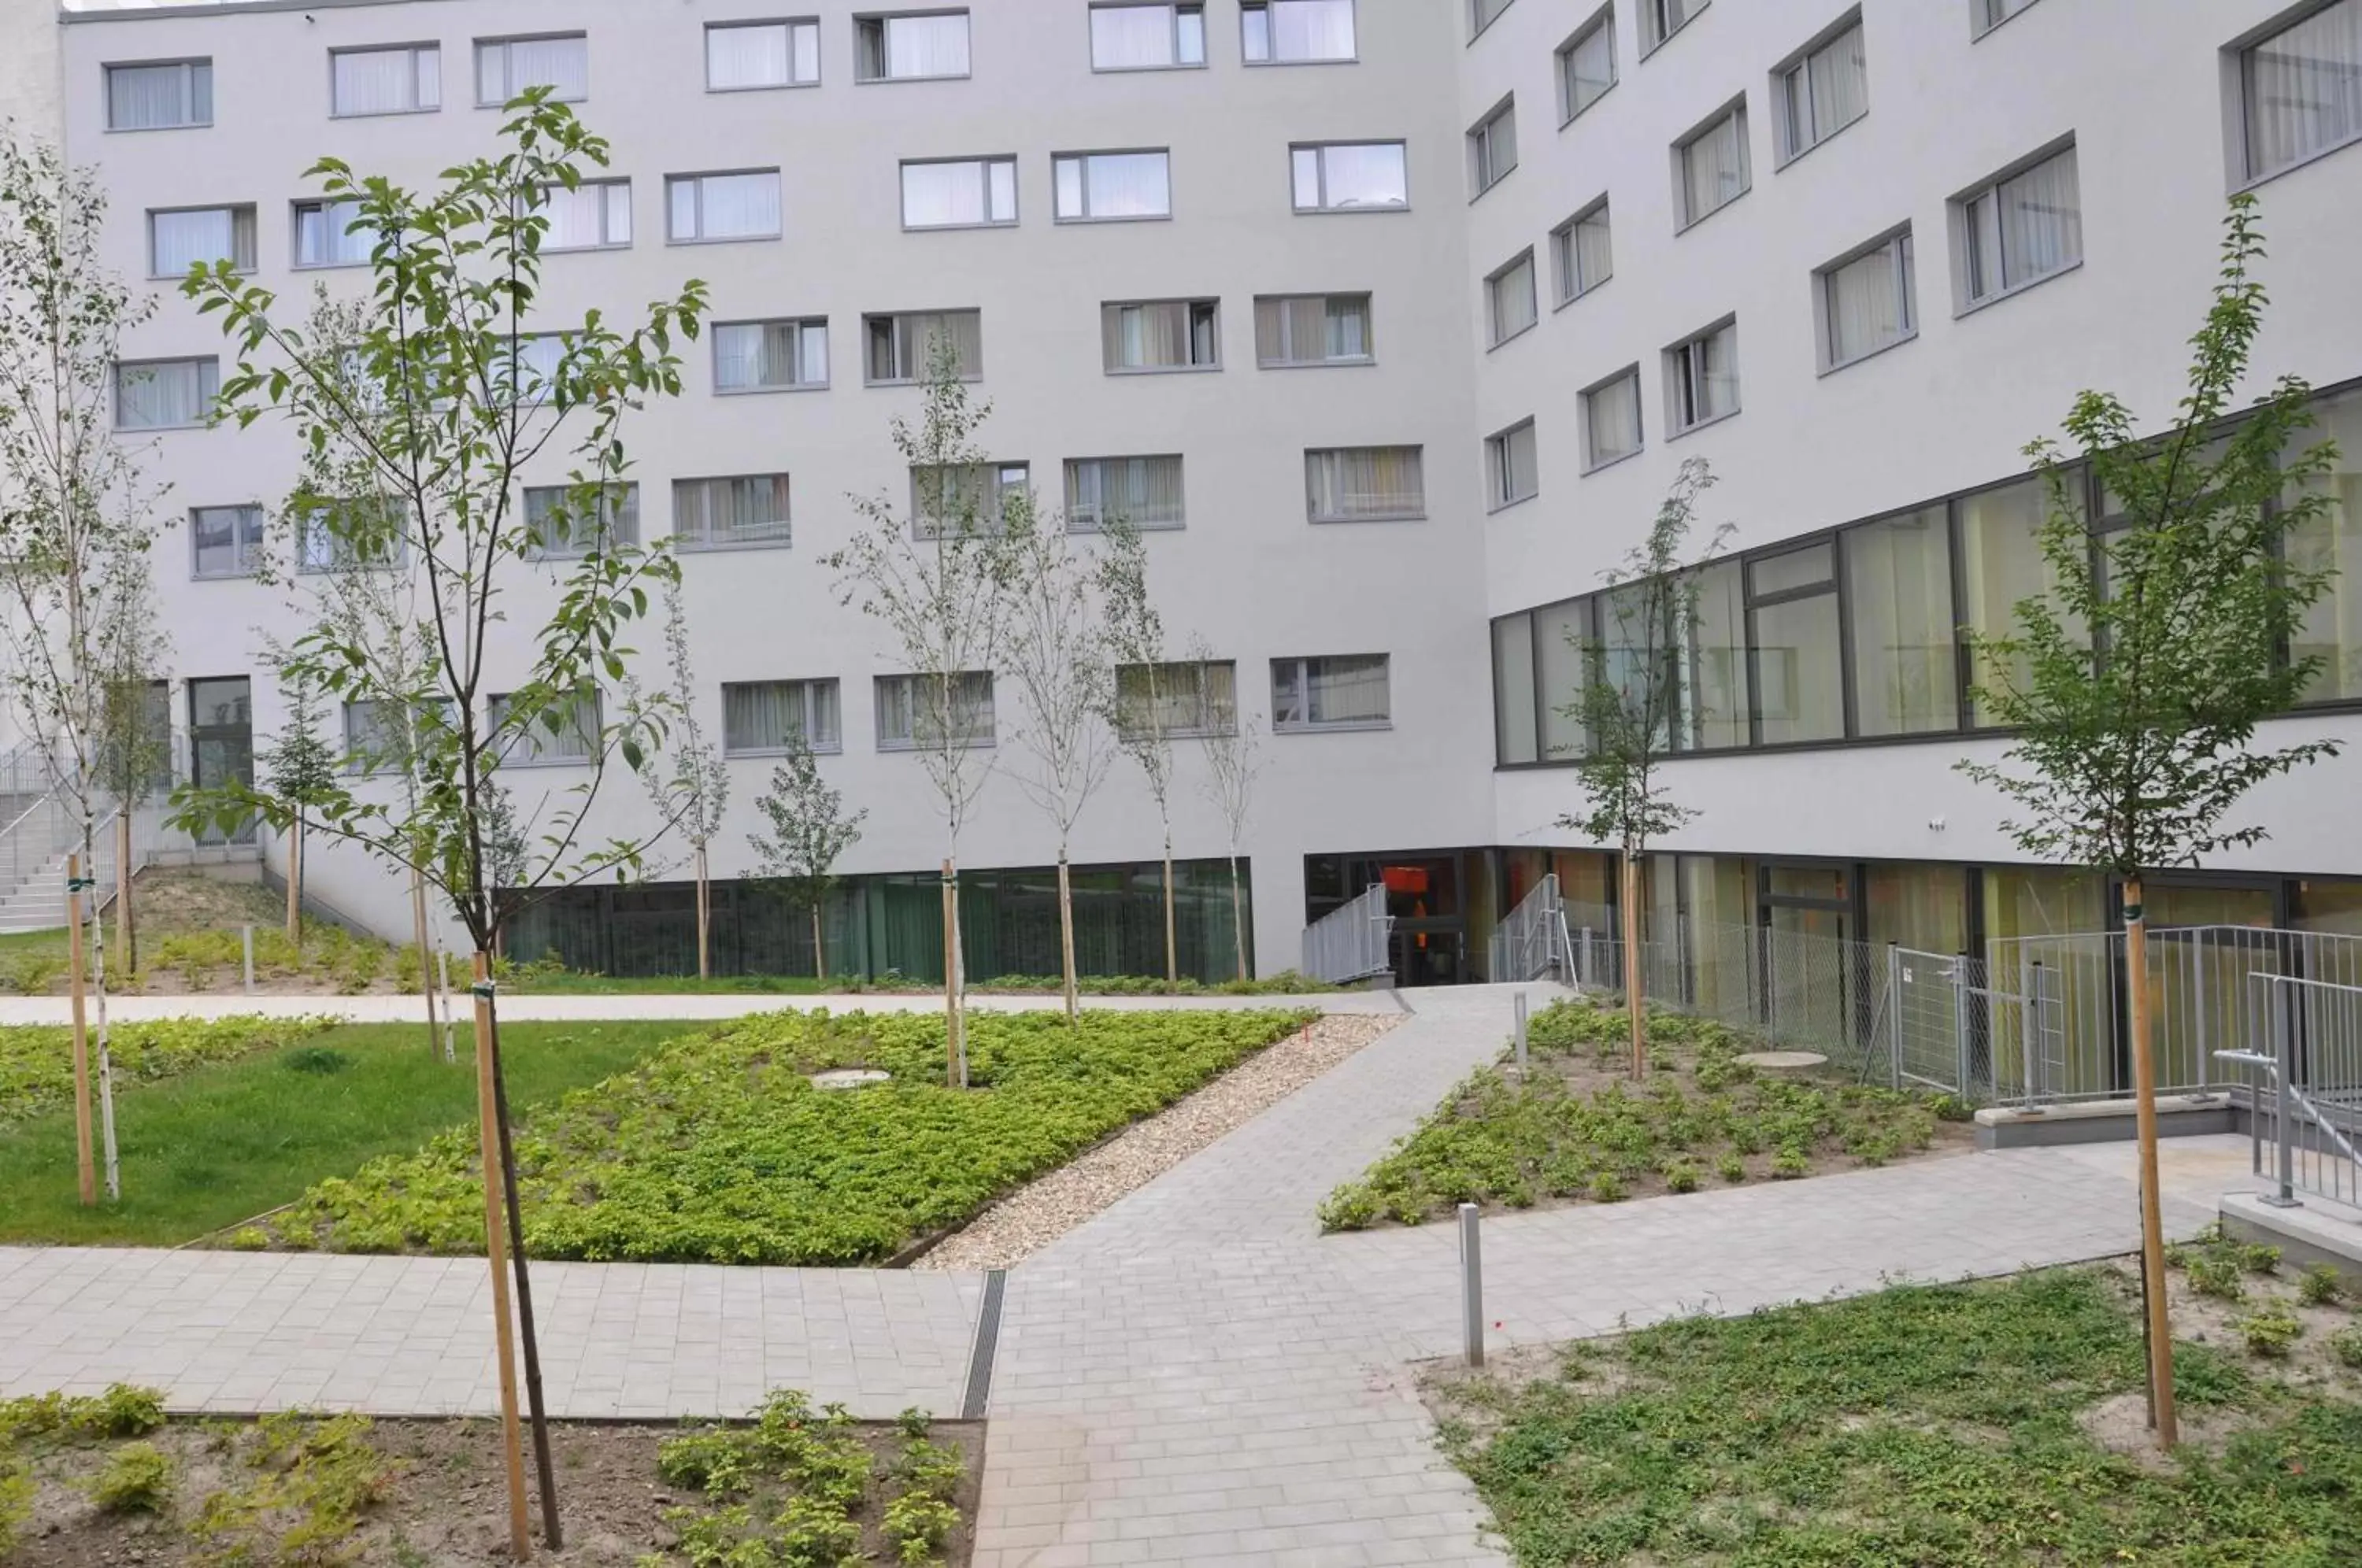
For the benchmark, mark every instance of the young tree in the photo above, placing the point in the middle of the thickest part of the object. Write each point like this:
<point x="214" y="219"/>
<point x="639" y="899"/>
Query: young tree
<point x="299" y="766"/>
<point x="135" y="746"/>
<point x="2136" y="685"/>
<point x="75" y="524"/>
<point x="693" y="786"/>
<point x="810" y="833"/>
<point x="1231" y="765"/>
<point x="469" y="398"/>
<point x="1058" y="655"/>
<point x="1631" y="706"/>
<point x="937" y="580"/>
<point x="1142" y="714"/>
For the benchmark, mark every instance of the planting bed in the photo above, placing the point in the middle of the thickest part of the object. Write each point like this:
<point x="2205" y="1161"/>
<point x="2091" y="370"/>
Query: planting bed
<point x="96" y="1482"/>
<point x="37" y="1060"/>
<point x="1577" y="1128"/>
<point x="718" y="1147"/>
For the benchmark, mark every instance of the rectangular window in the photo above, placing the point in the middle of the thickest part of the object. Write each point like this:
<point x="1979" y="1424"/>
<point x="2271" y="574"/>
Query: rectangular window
<point x="404" y="79"/>
<point x="1822" y="92"/>
<point x="1514" y="692"/>
<point x="1611" y="420"/>
<point x="183" y="237"/>
<point x="1339" y="692"/>
<point x="567" y="521"/>
<point x="339" y="535"/>
<point x="770" y="356"/>
<point x="910" y="48"/>
<point x="1509" y="472"/>
<point x="556" y="737"/>
<point x="1711" y="166"/>
<point x="1145" y="493"/>
<point x="2300" y="89"/>
<point x="705" y="207"/>
<point x="1161" y="335"/>
<point x="959" y="193"/>
<point x="594" y="216"/>
<point x="2002" y="564"/>
<point x="965" y="498"/>
<point x="1563" y="661"/>
<point x="165" y="394"/>
<point x="1098" y="187"/>
<point x="904" y="346"/>
<point x="743" y="55"/>
<point x="168" y="95"/>
<point x="1180" y="701"/>
<point x="2020" y="229"/>
<point x="1868" y="303"/>
<point x="1582" y="252"/>
<point x="506" y="67"/>
<point x="1312" y="330"/>
<point x="1147" y="37"/>
<point x="1586" y="65"/>
<point x="1482" y="12"/>
<point x="530" y="374"/>
<point x="1366" y="484"/>
<point x="1986" y="14"/>
<point x="326" y="235"/>
<point x="1493" y="147"/>
<point x="725" y="514"/>
<point x="1661" y="20"/>
<point x="374" y="737"/>
<point x="1509" y="302"/>
<point x="1349" y="177"/>
<point x="1702" y="379"/>
<point x="2332" y="541"/>
<point x="934" y="712"/>
<point x="764" y="718"/>
<point x="1899" y="599"/>
<point x="1798" y="683"/>
<point x="1296" y="32"/>
<point x="226" y="541"/>
<point x="1716" y="712"/>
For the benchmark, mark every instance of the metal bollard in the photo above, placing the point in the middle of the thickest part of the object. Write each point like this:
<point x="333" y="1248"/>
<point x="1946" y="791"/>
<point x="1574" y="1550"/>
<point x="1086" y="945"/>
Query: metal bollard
<point x="247" y="935"/>
<point x="1521" y="1033"/>
<point x="2283" y="1105"/>
<point x="1472" y="1283"/>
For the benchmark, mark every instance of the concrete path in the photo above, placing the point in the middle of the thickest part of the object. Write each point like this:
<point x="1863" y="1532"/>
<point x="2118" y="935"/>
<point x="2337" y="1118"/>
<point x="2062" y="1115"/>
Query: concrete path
<point x="523" y="1007"/>
<point x="1195" y="1376"/>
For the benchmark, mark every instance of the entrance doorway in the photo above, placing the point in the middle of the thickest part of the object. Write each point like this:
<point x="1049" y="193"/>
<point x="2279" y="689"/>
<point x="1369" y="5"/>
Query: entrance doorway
<point x="1809" y="923"/>
<point x="1427" y="894"/>
<point x="221" y="745"/>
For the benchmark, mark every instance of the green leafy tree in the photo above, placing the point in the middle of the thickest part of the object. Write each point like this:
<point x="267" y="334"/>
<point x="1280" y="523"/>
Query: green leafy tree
<point x="300" y="768"/>
<point x="2135" y="686"/>
<point x="810" y="833"/>
<point x="1139" y="711"/>
<point x="1232" y="768"/>
<point x="1632" y="707"/>
<point x="690" y="788"/>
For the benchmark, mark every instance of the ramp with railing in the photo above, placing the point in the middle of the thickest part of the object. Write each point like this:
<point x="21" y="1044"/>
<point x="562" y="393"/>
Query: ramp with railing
<point x="1351" y="942"/>
<point x="1529" y="942"/>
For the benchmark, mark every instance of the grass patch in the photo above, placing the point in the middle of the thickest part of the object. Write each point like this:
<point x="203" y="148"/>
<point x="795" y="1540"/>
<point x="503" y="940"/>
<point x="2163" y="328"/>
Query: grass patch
<point x="720" y="1149"/>
<point x="37" y="1060"/>
<point x="1920" y="1425"/>
<point x="547" y="978"/>
<point x="1574" y="1127"/>
<point x="215" y="1146"/>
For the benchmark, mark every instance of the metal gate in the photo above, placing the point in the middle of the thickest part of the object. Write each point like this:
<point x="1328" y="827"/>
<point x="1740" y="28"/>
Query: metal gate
<point x="1953" y="1026"/>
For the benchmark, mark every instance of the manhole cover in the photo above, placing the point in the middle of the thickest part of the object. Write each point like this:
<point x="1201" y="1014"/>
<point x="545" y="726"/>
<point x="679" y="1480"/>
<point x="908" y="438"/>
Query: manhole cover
<point x="1783" y="1061"/>
<point x="849" y="1077"/>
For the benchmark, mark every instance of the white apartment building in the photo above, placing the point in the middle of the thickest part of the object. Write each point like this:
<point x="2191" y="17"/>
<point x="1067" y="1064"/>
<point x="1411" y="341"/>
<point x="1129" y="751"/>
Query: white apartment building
<point x="1401" y="315"/>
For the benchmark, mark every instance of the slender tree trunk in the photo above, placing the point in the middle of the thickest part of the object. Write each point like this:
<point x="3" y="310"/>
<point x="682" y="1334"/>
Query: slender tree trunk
<point x="295" y="882"/>
<point x="1172" y="947"/>
<point x="955" y="1025"/>
<point x="704" y="921"/>
<point x="426" y="952"/>
<point x="552" y="1531"/>
<point x="111" y="1168"/>
<point x="1238" y="916"/>
<point x="443" y="974"/>
<point x="126" y="933"/>
<point x="1066" y="934"/>
<point x="496" y="1254"/>
<point x="1633" y="1002"/>
<point x="85" y="1162"/>
<point x="820" y="947"/>
<point x="2160" y="1327"/>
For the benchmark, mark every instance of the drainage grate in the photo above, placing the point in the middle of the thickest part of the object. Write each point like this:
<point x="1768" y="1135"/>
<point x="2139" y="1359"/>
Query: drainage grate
<point x="988" y="1341"/>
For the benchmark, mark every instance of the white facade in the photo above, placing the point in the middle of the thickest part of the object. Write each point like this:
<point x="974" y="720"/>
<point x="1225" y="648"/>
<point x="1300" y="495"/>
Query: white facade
<point x="2146" y="92"/>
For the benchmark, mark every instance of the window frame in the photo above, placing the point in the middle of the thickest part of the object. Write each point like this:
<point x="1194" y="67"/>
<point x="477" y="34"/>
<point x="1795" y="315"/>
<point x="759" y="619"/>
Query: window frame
<point x="1562" y="59"/>
<point x="1478" y="23"/>
<point x="1321" y="150"/>
<point x="1650" y="8"/>
<point x="699" y="176"/>
<point x="253" y="221"/>
<point x="1905" y="263"/>
<point x="540" y="738"/>
<point x="1565" y="253"/>
<point x="1495" y="337"/>
<point x="1175" y="7"/>
<point x="968" y="742"/>
<point x="1483" y="139"/>
<point x="249" y="554"/>
<point x="1302" y="664"/>
<point x="115" y="390"/>
<point x="1785" y="149"/>
<point x="802" y="324"/>
<point x="705" y="543"/>
<point x="863" y="19"/>
<point x="1352" y="9"/>
<point x="303" y="521"/>
<point x="1337" y="519"/>
<point x="325" y="207"/>
<point x="985" y="163"/>
<point x="187" y="63"/>
<point x="870" y="317"/>
<point x="998" y="481"/>
<point x="807" y="690"/>
<point x="1067" y="466"/>
<point x="1191" y="305"/>
<point x="1961" y="221"/>
<point x="1683" y="379"/>
<point x="1218" y="721"/>
<point x="604" y="184"/>
<point x="2238" y="91"/>
<point x="738" y="24"/>
<point x="609" y="538"/>
<point x="1980" y="23"/>
<point x="1685" y="220"/>
<point x="1082" y="175"/>
<point x="1592" y="462"/>
<point x="422" y="46"/>
<point x="508" y="84"/>
<point x="1327" y="362"/>
<point x="1500" y="451"/>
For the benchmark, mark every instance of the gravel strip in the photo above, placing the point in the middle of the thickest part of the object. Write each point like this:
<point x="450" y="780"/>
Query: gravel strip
<point x="1036" y="1215"/>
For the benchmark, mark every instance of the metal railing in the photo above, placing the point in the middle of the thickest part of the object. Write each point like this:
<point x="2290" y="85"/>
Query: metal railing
<point x="1529" y="942"/>
<point x="1351" y="942"/>
<point x="2305" y="1040"/>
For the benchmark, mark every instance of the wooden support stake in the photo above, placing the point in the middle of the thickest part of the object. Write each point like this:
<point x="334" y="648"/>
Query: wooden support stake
<point x="86" y="1163"/>
<point x="2160" y="1327"/>
<point x="496" y="1253"/>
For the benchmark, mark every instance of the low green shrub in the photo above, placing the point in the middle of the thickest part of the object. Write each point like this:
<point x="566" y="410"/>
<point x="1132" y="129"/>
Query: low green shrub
<point x="2218" y="1276"/>
<point x="137" y="1480"/>
<point x="1681" y="1175"/>
<point x="37" y="1060"/>
<point x="2345" y="1345"/>
<point x="2319" y="1286"/>
<point x="1730" y="1167"/>
<point x="2271" y="1331"/>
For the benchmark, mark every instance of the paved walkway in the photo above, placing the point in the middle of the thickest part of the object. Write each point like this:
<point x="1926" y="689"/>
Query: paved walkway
<point x="1195" y="1376"/>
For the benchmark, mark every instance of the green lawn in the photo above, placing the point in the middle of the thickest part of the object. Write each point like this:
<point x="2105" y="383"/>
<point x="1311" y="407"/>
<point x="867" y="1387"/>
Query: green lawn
<point x="1923" y="1425"/>
<point x="224" y="1143"/>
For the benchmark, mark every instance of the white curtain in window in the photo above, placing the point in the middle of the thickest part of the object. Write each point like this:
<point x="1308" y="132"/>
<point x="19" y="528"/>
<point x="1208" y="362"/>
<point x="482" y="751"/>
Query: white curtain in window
<point x="1497" y="147"/>
<point x="1348" y="691"/>
<point x="1613" y="414"/>
<point x="737" y="206"/>
<point x="321" y="239"/>
<point x="1312" y="29"/>
<point x="1144" y="336"/>
<point x="1126" y="184"/>
<point x="1595" y="256"/>
<point x="171" y="392"/>
<point x="1513" y="689"/>
<point x="1514" y="308"/>
<point x="2041" y="219"/>
<point x="936" y="194"/>
<point x="1350" y="483"/>
<point x="964" y="329"/>
<point x="1144" y="491"/>
<point x="382" y="81"/>
<point x="1868" y="304"/>
<point x="560" y="733"/>
<point x="1710" y="366"/>
<point x="212" y="234"/>
<point x="765" y="715"/>
<point x="1714" y="166"/>
<point x="1590" y="67"/>
<point x="926" y="46"/>
<point x="748" y="510"/>
<point x="561" y="64"/>
<point x="2303" y="88"/>
<point x="1347" y="327"/>
<point x="1837" y="80"/>
<point x="1367" y="174"/>
<point x="578" y="218"/>
<point x="753" y="56"/>
<point x="1513" y="459"/>
<point x="1128" y="38"/>
<point x="149" y="97"/>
